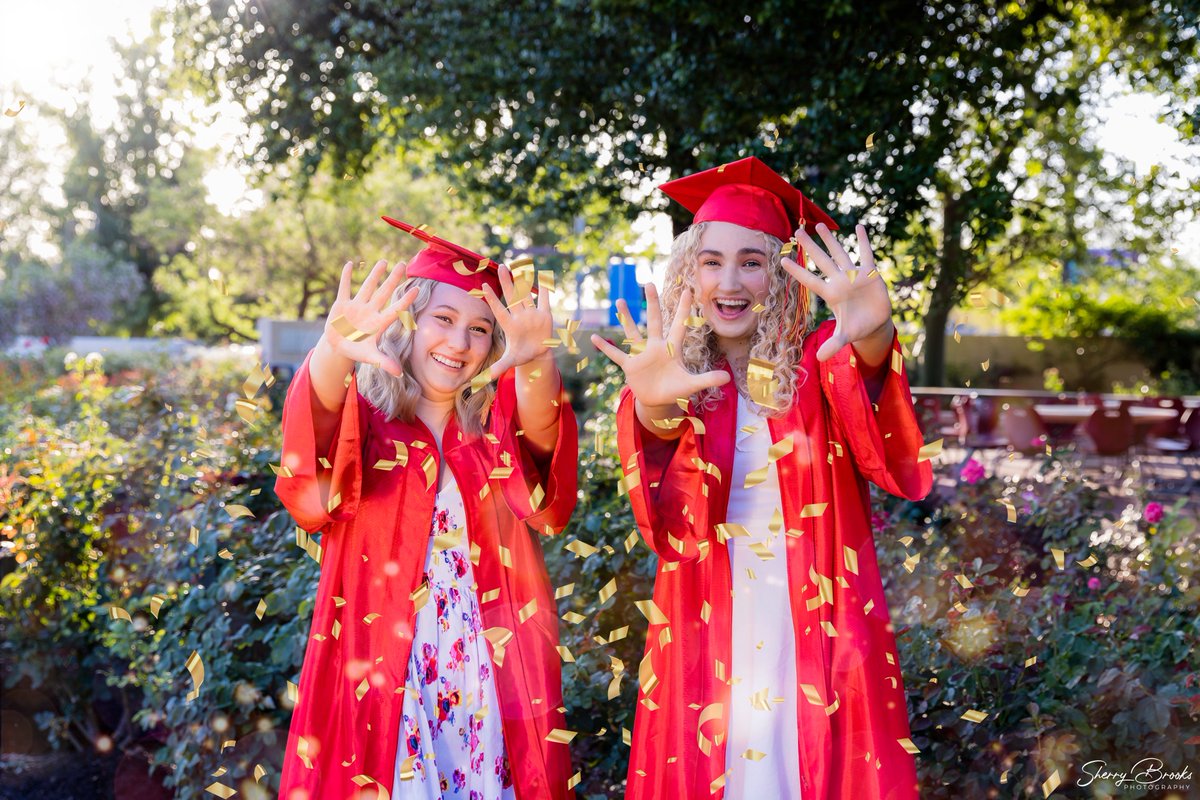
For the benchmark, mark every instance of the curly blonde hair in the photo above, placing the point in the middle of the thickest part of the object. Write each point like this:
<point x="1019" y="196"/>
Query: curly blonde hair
<point x="397" y="397"/>
<point x="782" y="325"/>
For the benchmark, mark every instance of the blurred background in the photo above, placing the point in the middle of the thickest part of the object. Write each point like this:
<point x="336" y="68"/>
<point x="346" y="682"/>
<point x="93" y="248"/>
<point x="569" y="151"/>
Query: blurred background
<point x="181" y="181"/>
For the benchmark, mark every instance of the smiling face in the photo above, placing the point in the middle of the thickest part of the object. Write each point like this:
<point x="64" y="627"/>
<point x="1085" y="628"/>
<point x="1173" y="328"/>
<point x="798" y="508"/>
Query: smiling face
<point x="731" y="277"/>
<point x="451" y="342"/>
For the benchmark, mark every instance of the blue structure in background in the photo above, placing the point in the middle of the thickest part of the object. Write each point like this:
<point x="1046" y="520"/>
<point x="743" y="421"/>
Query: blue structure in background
<point x="622" y="282"/>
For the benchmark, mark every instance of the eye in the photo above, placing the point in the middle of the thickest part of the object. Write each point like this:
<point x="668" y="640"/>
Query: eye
<point x="443" y="318"/>
<point x="752" y="264"/>
<point x="480" y="329"/>
<point x="710" y="263"/>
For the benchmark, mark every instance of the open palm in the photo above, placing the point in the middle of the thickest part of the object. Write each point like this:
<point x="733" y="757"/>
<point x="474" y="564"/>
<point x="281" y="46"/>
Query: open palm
<point x="857" y="296"/>
<point x="356" y="323"/>
<point x="657" y="375"/>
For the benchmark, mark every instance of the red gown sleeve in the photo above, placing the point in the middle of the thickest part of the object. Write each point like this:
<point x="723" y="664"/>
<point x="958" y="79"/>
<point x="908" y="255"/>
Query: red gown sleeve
<point x="664" y="479"/>
<point x="306" y="487"/>
<point x="884" y="443"/>
<point x="558" y="481"/>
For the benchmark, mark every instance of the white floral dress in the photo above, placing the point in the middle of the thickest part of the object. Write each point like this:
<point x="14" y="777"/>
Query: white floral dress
<point x="451" y="718"/>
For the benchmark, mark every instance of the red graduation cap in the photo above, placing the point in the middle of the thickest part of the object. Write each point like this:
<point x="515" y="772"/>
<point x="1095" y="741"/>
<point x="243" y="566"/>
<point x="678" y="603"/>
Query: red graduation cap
<point x="448" y="262"/>
<point x="750" y="194"/>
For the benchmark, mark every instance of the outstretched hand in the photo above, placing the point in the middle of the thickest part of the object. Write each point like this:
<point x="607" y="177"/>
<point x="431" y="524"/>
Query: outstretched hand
<point x="857" y="296"/>
<point x="356" y="323"/>
<point x="657" y="375"/>
<point x="527" y="325"/>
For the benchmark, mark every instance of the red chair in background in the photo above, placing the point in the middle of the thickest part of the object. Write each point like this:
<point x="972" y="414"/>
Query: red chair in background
<point x="978" y="424"/>
<point x="1108" y="432"/>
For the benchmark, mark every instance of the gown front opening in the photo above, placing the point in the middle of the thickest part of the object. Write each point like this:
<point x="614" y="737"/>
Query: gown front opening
<point x="450" y="734"/>
<point x="763" y="747"/>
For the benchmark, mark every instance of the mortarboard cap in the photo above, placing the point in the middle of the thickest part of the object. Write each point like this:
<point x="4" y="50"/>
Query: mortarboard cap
<point x="448" y="262"/>
<point x="750" y="194"/>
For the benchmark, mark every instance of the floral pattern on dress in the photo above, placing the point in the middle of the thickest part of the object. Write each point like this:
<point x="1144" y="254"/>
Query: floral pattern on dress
<point x="459" y="751"/>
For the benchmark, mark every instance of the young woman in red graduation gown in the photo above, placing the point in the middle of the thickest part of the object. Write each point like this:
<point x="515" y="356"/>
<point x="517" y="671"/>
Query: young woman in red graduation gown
<point x="370" y="456"/>
<point x="774" y="670"/>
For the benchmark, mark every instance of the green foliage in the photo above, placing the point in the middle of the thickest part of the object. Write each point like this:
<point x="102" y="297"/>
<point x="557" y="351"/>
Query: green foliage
<point x="1114" y="676"/>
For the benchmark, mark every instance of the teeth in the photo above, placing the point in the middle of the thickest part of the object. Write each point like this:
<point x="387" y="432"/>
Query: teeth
<point x="733" y="304"/>
<point x="448" y="362"/>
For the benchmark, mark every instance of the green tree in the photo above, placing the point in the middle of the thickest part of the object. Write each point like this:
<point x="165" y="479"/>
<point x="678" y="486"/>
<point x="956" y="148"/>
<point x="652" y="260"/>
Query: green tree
<point x="545" y="106"/>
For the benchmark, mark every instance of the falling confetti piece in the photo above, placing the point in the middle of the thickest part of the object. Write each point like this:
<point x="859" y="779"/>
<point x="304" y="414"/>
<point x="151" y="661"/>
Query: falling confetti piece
<point x="195" y="668"/>
<point x="871" y="141"/>
<point x="260" y="609"/>
<point x="236" y="511"/>
<point x="13" y="110"/>
<point x="259" y="772"/>
<point x="908" y="746"/>
<point x="1050" y="784"/>
<point x="974" y="716"/>
<point x="220" y="790"/>
<point x="608" y="590"/>
<point x="560" y="736"/>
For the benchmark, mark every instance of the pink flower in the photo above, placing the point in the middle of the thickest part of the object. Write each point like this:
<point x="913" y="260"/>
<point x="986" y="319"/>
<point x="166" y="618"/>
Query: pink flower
<point x="972" y="472"/>
<point x="1153" y="513"/>
<point x="1093" y="583"/>
<point x="879" y="521"/>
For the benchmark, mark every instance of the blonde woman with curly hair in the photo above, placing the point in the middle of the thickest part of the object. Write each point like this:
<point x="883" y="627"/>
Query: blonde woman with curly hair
<point x="747" y="437"/>
<point x="432" y="666"/>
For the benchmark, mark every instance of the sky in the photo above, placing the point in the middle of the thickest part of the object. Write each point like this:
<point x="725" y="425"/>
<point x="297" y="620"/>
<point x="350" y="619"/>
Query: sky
<point x="48" y="48"/>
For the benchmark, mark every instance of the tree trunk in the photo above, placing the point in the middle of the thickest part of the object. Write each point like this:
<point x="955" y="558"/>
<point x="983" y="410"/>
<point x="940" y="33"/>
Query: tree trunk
<point x="944" y="296"/>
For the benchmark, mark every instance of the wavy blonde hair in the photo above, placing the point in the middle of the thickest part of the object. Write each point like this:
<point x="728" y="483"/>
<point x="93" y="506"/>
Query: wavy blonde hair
<point x="782" y="325"/>
<point x="397" y="397"/>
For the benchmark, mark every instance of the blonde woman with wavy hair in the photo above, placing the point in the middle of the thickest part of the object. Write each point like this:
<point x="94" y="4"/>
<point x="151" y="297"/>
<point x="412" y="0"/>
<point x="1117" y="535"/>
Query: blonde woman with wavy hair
<point x="432" y="660"/>
<point x="747" y="436"/>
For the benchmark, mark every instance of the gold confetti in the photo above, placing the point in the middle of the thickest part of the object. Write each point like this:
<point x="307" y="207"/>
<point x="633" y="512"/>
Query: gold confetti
<point x="220" y="790"/>
<point x="929" y="451"/>
<point x="365" y="780"/>
<point x="259" y="772"/>
<point x="156" y="602"/>
<point x="573" y="617"/>
<point x="334" y="502"/>
<point x="1012" y="511"/>
<point x="260" y="609"/>
<point x="1060" y="557"/>
<point x="754" y="755"/>
<point x="813" y="510"/>
<point x="574" y="780"/>
<point x="974" y="716"/>
<point x="908" y="746"/>
<point x="528" y="610"/>
<point x="407" y="772"/>
<point x="964" y="581"/>
<point x="448" y="540"/>
<point x="871" y="141"/>
<point x="560" y="736"/>
<point x="236" y="511"/>
<point x="652" y="612"/>
<point x="581" y="549"/>
<point x="1090" y="561"/>
<point x="1050" y="784"/>
<point x="566" y="590"/>
<point x="369" y="618"/>
<point x="489" y="596"/>
<point x="225" y="554"/>
<point x="116" y="612"/>
<point x="195" y="667"/>
<point x="13" y="110"/>
<point x="630" y="541"/>
<point x="608" y="590"/>
<point x="347" y="330"/>
<point x="565" y="654"/>
<point x="418" y="596"/>
<point x="851" y="558"/>
<point x="1029" y="662"/>
<point x="910" y="563"/>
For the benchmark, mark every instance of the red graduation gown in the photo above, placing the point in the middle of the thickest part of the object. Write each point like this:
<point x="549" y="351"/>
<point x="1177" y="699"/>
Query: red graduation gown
<point x="851" y="703"/>
<point x="375" y="542"/>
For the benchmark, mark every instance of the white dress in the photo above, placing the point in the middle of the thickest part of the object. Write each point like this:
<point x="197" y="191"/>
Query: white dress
<point x="763" y="699"/>
<point x="450" y="718"/>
